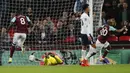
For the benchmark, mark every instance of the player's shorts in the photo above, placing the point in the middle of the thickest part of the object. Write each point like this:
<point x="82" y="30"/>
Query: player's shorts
<point x="84" y="40"/>
<point x="19" y="39"/>
<point x="101" y="45"/>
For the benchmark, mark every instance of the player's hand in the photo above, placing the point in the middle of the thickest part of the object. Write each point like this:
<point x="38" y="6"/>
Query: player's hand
<point x="124" y="27"/>
<point x="89" y="38"/>
<point x="93" y="45"/>
<point x="124" y="32"/>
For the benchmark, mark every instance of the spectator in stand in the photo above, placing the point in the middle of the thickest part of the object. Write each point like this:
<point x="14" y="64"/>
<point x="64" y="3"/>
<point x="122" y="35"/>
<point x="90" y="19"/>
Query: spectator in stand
<point x="65" y="15"/>
<point x="104" y="22"/>
<point x="50" y="30"/>
<point x="50" y="25"/>
<point x="77" y="16"/>
<point x="111" y="9"/>
<point x="33" y="36"/>
<point x="59" y="24"/>
<point x="128" y="1"/>
<point x="107" y="6"/>
<point x="114" y="10"/>
<point x="70" y="30"/>
<point x="61" y="29"/>
<point x="42" y="28"/>
<point x="73" y="17"/>
<point x="128" y="27"/>
<point x="126" y="31"/>
<point x="120" y="5"/>
<point x="12" y="15"/>
<point x="124" y="14"/>
<point x="4" y="39"/>
<point x="30" y="13"/>
<point x="78" y="5"/>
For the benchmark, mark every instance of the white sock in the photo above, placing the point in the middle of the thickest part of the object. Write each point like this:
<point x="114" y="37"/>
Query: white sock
<point x="88" y="55"/>
<point x="83" y="54"/>
<point x="91" y="51"/>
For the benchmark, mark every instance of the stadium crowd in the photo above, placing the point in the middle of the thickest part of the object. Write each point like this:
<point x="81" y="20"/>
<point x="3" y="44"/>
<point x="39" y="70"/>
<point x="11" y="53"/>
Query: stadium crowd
<point x="119" y="12"/>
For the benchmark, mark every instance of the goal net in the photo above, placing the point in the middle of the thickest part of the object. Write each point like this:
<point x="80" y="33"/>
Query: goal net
<point x="57" y="28"/>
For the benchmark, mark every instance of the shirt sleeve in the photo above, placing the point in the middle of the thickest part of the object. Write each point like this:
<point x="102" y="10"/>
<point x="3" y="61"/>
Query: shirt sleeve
<point x="13" y="20"/>
<point x="28" y="19"/>
<point x="112" y="28"/>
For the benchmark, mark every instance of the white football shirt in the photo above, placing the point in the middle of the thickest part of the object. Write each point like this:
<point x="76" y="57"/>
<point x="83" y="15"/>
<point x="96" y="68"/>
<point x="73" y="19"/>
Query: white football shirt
<point x="85" y="24"/>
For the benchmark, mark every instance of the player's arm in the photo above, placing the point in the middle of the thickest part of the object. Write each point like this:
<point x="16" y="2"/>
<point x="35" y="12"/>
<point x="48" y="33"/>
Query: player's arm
<point x="30" y="24"/>
<point x="11" y="24"/>
<point x="32" y="58"/>
<point x="121" y="30"/>
<point x="90" y="37"/>
<point x="29" y="21"/>
<point x="117" y="30"/>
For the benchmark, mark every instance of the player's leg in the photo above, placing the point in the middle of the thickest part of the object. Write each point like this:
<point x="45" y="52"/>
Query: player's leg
<point x="83" y="53"/>
<point x="99" y="47"/>
<point x="107" y="47"/>
<point x="21" y="42"/>
<point x="46" y="61"/>
<point x="92" y="51"/>
<point x="92" y="48"/>
<point x="50" y="61"/>
<point x="84" y="40"/>
<point x="13" y="47"/>
<point x="85" y="43"/>
<point x="58" y="59"/>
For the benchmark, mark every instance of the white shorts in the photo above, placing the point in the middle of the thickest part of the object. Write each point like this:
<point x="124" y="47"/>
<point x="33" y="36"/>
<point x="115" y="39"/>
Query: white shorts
<point x="100" y="45"/>
<point x="19" y="39"/>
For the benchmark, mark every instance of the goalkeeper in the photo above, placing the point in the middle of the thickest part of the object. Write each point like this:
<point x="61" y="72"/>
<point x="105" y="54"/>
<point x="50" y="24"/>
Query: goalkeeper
<point x="52" y="58"/>
<point x="49" y="58"/>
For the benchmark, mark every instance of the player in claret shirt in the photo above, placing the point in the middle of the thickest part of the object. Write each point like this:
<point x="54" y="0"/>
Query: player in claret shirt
<point x="104" y="32"/>
<point x="21" y="22"/>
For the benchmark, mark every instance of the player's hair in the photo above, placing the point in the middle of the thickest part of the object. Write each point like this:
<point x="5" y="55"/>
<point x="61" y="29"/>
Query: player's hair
<point x="19" y="12"/>
<point x="85" y="6"/>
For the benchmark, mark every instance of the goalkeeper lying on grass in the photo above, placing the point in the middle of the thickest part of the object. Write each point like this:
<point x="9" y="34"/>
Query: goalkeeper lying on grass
<point x="49" y="58"/>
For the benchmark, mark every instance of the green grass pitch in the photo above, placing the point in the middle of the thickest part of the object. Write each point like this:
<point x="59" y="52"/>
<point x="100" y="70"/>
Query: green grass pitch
<point x="66" y="69"/>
